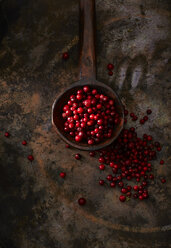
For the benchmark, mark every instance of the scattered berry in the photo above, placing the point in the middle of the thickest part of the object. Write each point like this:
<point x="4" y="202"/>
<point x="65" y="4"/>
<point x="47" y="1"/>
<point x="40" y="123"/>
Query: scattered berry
<point x="62" y="174"/>
<point x="82" y="201"/>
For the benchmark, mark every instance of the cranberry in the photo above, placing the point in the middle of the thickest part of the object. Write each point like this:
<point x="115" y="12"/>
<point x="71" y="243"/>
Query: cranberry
<point x="101" y="166"/>
<point x="86" y="89"/>
<point x="135" y="187"/>
<point x="141" y="197"/>
<point x="82" y="201"/>
<point x="24" y="142"/>
<point x="120" y="184"/>
<point x="65" y="55"/>
<point x="92" y="154"/>
<point x="128" y="194"/>
<point x="112" y="185"/>
<point x="162" y="161"/>
<point x="151" y="176"/>
<point x="109" y="177"/>
<point x="110" y="67"/>
<point x="163" y="180"/>
<point x="149" y="111"/>
<point x="124" y="190"/>
<point x="142" y="121"/>
<point x="158" y="149"/>
<point x="77" y="156"/>
<point x="7" y="134"/>
<point x="101" y="182"/>
<point x="78" y="138"/>
<point x="145" y="118"/>
<point x="110" y="73"/>
<point x="30" y="157"/>
<point x="62" y="174"/>
<point x="122" y="198"/>
<point x="135" y="196"/>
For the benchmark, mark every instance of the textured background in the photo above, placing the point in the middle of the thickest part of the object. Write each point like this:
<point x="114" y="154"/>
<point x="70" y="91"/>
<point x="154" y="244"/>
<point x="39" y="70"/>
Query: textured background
<point x="37" y="208"/>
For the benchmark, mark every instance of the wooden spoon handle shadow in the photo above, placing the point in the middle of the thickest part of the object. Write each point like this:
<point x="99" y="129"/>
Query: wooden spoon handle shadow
<point x="87" y="39"/>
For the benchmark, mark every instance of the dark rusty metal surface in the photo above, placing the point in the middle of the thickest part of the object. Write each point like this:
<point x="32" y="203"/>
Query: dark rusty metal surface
<point x="37" y="208"/>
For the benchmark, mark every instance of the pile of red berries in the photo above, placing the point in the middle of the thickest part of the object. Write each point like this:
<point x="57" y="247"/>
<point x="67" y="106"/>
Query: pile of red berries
<point x="130" y="159"/>
<point x="90" y="116"/>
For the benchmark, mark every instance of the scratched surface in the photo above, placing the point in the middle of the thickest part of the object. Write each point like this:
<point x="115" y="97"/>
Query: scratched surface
<point x="37" y="208"/>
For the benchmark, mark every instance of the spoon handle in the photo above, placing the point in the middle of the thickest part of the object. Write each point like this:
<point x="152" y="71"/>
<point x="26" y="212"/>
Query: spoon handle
<point x="87" y="39"/>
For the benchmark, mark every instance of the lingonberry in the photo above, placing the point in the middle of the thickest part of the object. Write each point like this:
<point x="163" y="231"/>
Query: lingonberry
<point x="141" y="197"/>
<point x="109" y="177"/>
<point x="30" y="158"/>
<point x="82" y="201"/>
<point x="142" y="121"/>
<point x="62" y="174"/>
<point x="65" y="55"/>
<point x="163" y="180"/>
<point x="101" y="166"/>
<point x="145" y="118"/>
<point x="101" y="182"/>
<point x="77" y="156"/>
<point x="162" y="161"/>
<point x="24" y="142"/>
<point x="110" y="67"/>
<point x="124" y="190"/>
<point x="122" y="198"/>
<point x="7" y="134"/>
<point x="92" y="154"/>
<point x="149" y="111"/>
<point x="110" y="73"/>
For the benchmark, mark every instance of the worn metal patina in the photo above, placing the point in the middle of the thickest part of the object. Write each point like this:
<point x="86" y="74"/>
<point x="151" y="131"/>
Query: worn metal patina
<point x="38" y="209"/>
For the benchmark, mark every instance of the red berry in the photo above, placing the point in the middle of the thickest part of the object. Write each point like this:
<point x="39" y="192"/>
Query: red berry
<point x="122" y="198"/>
<point x="141" y="197"/>
<point x="149" y="111"/>
<point x="110" y="73"/>
<point x="101" y="166"/>
<point x="142" y="121"/>
<point x="101" y="182"/>
<point x="24" y="142"/>
<point x="30" y="157"/>
<point x="77" y="156"/>
<point x="162" y="161"/>
<point x="82" y="201"/>
<point x="163" y="180"/>
<point x="135" y="187"/>
<point x="6" y="134"/>
<point x="110" y="66"/>
<point x="124" y="190"/>
<point x="92" y="154"/>
<point x="112" y="185"/>
<point x="145" y="118"/>
<point x="86" y="89"/>
<point x="62" y="174"/>
<point x="78" y="138"/>
<point x="65" y="55"/>
<point x="67" y="146"/>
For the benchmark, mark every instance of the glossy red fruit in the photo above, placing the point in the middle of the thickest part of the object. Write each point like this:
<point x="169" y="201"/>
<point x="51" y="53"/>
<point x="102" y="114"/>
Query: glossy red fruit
<point x="135" y="187"/>
<point x="162" y="161"/>
<point x="62" y="174"/>
<point x="77" y="156"/>
<point x="67" y="146"/>
<point x="92" y="154"/>
<point x="86" y="89"/>
<point x="24" y="142"/>
<point x="101" y="166"/>
<point x="30" y="158"/>
<point x="149" y="111"/>
<point x="101" y="182"/>
<point x="142" y="121"/>
<point x="124" y="190"/>
<point x="6" y="134"/>
<point x="65" y="55"/>
<point x="82" y="201"/>
<point x="163" y="180"/>
<point x="122" y="198"/>
<point x="110" y="73"/>
<point x="112" y="184"/>
<point x="141" y="197"/>
<point x="110" y="66"/>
